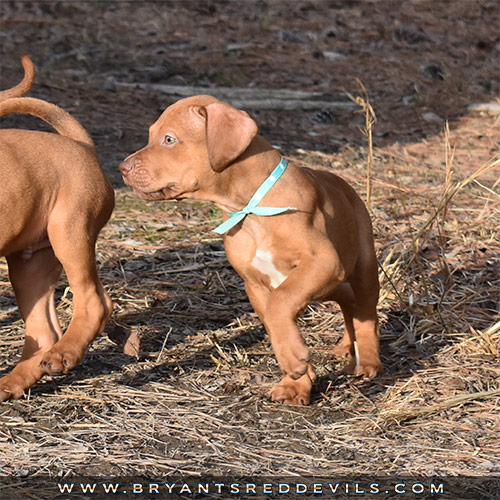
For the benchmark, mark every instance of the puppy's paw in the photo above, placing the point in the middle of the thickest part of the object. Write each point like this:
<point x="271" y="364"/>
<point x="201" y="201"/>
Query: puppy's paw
<point x="295" y="392"/>
<point x="366" y="369"/>
<point x="59" y="360"/>
<point x="292" y="392"/>
<point x="10" y="388"/>
<point x="370" y="370"/>
<point x="343" y="350"/>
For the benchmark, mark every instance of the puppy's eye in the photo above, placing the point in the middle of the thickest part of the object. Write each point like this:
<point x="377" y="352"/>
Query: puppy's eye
<point x="169" y="140"/>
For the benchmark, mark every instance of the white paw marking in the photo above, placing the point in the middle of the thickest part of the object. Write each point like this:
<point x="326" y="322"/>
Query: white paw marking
<point x="263" y="262"/>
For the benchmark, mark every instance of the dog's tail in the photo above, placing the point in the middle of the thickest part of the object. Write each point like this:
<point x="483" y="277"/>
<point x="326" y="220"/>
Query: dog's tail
<point x="25" y="84"/>
<point x="12" y="102"/>
<point x="59" y="119"/>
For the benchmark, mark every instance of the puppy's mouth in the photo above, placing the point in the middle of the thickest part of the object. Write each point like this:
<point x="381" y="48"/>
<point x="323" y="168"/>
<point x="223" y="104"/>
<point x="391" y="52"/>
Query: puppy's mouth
<point x="141" y="182"/>
<point x="170" y="192"/>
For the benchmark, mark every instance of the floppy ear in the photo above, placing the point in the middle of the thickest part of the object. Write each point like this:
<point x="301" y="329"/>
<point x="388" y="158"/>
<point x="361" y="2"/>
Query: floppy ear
<point x="229" y="133"/>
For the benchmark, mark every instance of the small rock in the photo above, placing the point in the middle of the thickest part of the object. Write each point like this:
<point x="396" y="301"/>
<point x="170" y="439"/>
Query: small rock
<point x="289" y="36"/>
<point x="236" y="47"/>
<point x="488" y="107"/>
<point x="109" y="84"/>
<point x="434" y="71"/>
<point x="21" y="472"/>
<point x="131" y="242"/>
<point x="325" y="116"/>
<point x="331" y="31"/>
<point x="331" y="55"/>
<point x="409" y="35"/>
<point x="159" y="72"/>
<point x="432" y="118"/>
<point x="408" y="100"/>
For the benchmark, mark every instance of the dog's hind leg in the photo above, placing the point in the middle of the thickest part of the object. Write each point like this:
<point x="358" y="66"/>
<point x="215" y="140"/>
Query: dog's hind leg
<point x="34" y="281"/>
<point x="365" y="285"/>
<point x="344" y="296"/>
<point x="73" y="238"/>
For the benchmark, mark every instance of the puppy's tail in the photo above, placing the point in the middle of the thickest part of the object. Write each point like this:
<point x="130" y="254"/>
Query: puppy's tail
<point x="62" y="121"/>
<point x="25" y="84"/>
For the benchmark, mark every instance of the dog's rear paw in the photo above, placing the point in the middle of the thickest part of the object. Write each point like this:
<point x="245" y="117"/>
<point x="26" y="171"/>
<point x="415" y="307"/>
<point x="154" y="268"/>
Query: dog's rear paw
<point x="10" y="389"/>
<point x="59" y="361"/>
<point x="368" y="370"/>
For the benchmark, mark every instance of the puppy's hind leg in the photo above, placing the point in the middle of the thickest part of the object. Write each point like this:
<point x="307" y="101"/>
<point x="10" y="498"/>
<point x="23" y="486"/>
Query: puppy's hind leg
<point x="365" y="285"/>
<point x="34" y="281"/>
<point x="73" y="238"/>
<point x="344" y="296"/>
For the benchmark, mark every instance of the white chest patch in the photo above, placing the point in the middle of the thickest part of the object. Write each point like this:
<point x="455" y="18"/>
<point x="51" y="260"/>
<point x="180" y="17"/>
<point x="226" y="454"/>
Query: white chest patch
<point x="263" y="262"/>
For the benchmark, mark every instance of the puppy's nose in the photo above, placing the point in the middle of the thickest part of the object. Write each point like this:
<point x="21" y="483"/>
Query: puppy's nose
<point x="127" y="165"/>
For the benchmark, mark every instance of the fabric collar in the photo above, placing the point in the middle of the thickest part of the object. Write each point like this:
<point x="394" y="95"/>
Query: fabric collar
<point x="252" y="208"/>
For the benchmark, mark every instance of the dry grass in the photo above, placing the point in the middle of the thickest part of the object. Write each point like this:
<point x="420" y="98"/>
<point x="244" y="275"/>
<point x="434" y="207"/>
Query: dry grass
<point x="366" y="108"/>
<point x="193" y="402"/>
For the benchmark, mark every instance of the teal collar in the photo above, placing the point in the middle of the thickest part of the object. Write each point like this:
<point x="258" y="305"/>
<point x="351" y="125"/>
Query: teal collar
<point x="252" y="208"/>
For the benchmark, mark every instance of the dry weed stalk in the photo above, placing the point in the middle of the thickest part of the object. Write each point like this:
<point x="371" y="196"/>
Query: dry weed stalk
<point x="370" y="119"/>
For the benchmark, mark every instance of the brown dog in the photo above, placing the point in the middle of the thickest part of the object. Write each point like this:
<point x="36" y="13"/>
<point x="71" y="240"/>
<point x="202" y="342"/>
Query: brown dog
<point x="54" y="200"/>
<point x="321" y="249"/>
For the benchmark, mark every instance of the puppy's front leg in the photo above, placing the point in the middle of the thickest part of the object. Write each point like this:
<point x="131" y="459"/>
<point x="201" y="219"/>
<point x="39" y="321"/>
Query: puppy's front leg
<point x="289" y="390"/>
<point x="307" y="281"/>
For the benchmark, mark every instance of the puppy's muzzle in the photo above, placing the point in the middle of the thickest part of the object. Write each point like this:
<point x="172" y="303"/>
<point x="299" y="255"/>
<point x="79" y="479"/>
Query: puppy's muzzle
<point x="135" y="175"/>
<point x="127" y="165"/>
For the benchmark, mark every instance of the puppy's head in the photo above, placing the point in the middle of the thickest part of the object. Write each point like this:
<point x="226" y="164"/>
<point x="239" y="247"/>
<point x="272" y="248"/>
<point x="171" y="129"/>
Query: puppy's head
<point x="191" y="141"/>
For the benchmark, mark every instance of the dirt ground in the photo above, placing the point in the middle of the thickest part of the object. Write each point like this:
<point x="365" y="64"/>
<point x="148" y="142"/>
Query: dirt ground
<point x="193" y="400"/>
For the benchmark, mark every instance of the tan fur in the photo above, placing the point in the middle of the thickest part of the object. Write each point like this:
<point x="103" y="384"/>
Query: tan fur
<point x="54" y="200"/>
<point x="322" y="250"/>
<point x="25" y="84"/>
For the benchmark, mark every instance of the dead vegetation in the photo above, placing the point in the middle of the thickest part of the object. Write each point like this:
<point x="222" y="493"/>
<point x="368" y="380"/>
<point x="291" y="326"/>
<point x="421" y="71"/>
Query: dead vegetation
<point x="192" y="402"/>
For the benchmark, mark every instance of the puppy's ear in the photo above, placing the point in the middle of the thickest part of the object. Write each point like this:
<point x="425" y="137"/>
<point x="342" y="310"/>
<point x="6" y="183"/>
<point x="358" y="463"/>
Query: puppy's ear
<point x="229" y="133"/>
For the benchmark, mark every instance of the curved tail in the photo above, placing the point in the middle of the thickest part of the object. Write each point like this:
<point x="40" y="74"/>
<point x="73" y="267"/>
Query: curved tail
<point x="59" y="119"/>
<point x="25" y="84"/>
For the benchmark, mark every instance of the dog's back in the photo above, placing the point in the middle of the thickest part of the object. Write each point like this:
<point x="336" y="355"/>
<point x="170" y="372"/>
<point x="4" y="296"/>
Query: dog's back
<point x="36" y="164"/>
